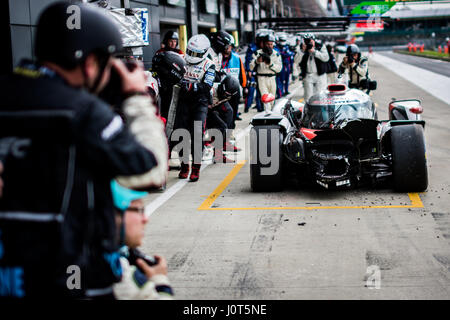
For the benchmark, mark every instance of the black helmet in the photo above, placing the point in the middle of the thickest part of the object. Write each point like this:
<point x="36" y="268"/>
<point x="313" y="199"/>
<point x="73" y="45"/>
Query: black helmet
<point x="169" y="66"/>
<point x="220" y="40"/>
<point x="309" y="36"/>
<point x="269" y="37"/>
<point x="170" y="35"/>
<point x="352" y="49"/>
<point x="228" y="87"/>
<point x="67" y="45"/>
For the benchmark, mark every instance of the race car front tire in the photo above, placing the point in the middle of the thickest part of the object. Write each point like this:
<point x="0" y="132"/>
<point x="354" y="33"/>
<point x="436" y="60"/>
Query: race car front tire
<point x="409" y="161"/>
<point x="259" y="136"/>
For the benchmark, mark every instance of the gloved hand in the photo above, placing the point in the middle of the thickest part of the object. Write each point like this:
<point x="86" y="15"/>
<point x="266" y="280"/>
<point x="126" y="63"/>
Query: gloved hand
<point x="266" y="58"/>
<point x="189" y="86"/>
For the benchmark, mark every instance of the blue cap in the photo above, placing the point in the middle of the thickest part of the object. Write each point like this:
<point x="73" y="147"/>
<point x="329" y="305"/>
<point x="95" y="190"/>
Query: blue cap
<point x="122" y="197"/>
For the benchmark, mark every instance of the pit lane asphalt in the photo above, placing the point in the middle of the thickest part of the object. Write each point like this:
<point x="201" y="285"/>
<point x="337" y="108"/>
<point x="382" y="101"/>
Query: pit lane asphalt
<point x="283" y="251"/>
<point x="434" y="65"/>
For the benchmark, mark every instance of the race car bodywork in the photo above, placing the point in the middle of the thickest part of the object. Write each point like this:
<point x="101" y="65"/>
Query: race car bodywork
<point x="335" y="140"/>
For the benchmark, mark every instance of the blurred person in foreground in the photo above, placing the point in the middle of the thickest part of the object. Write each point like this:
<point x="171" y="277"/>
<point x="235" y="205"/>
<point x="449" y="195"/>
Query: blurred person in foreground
<point x="64" y="145"/>
<point x="144" y="277"/>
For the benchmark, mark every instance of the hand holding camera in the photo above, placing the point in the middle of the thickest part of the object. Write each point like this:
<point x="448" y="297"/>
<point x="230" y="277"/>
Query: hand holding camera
<point x="150" y="271"/>
<point x="309" y="45"/>
<point x="265" y="57"/>
<point x="132" y="76"/>
<point x="127" y="78"/>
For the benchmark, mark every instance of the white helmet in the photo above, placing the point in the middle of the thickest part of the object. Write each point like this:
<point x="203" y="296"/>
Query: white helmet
<point x="196" y="49"/>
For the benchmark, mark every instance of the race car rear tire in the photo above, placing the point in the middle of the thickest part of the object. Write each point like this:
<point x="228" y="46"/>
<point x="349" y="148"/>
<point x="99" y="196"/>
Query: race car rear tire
<point x="259" y="181"/>
<point x="408" y="158"/>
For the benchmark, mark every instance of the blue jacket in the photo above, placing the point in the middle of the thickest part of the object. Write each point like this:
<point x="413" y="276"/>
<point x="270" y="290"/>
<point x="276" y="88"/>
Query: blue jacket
<point x="235" y="67"/>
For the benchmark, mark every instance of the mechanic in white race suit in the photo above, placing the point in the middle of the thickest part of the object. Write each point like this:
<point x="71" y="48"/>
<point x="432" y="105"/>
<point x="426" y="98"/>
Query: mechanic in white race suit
<point x="356" y="65"/>
<point x="313" y="66"/>
<point x="194" y="97"/>
<point x="267" y="63"/>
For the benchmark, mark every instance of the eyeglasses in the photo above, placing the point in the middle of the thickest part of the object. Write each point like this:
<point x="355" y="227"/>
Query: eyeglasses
<point x="140" y="210"/>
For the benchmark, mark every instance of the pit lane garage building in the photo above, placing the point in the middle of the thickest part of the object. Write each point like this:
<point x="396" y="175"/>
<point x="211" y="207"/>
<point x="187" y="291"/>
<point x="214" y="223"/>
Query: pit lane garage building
<point x="188" y="17"/>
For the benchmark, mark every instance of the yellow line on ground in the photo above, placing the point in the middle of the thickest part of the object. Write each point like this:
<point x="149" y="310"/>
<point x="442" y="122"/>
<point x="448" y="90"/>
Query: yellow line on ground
<point x="206" y="205"/>
<point x="416" y="202"/>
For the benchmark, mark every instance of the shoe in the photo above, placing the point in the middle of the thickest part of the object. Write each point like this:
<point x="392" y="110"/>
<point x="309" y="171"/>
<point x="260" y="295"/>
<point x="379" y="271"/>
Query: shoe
<point x="195" y="173"/>
<point x="238" y="118"/>
<point x="231" y="147"/>
<point x="219" y="157"/>
<point x="184" y="172"/>
<point x="245" y="110"/>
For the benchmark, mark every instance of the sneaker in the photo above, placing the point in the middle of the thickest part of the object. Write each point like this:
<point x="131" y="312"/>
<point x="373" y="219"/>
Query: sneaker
<point x="195" y="173"/>
<point x="231" y="147"/>
<point x="184" y="172"/>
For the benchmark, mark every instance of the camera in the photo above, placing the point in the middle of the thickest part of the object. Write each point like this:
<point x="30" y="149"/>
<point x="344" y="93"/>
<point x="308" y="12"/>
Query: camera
<point x="350" y="59"/>
<point x="309" y="44"/>
<point x="265" y="57"/>
<point x="135" y="254"/>
<point x="112" y="93"/>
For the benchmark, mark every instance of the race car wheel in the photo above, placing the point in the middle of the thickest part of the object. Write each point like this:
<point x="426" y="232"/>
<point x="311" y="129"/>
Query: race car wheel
<point x="408" y="158"/>
<point x="259" y="163"/>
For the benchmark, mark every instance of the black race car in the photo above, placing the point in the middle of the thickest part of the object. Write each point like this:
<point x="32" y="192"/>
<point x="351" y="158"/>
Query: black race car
<point x="335" y="140"/>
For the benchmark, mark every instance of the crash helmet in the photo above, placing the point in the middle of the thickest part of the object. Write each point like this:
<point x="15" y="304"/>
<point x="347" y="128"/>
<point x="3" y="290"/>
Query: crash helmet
<point x="309" y="36"/>
<point x="260" y="36"/>
<point x="67" y="45"/>
<point x="220" y="40"/>
<point x="228" y="87"/>
<point x="196" y="49"/>
<point x="353" y="49"/>
<point x="170" y="35"/>
<point x="282" y="39"/>
<point x="169" y="66"/>
<point x="269" y="38"/>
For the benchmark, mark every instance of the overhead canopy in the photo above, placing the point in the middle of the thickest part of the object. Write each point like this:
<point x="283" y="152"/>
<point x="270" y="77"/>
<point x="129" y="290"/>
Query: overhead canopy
<point x="308" y="24"/>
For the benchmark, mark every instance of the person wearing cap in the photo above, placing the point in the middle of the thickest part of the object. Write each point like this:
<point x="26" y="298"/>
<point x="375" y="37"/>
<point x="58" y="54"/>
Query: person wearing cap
<point x="170" y="43"/>
<point x="232" y="65"/>
<point x="297" y="58"/>
<point x="56" y="212"/>
<point x="267" y="64"/>
<point x="251" y="75"/>
<point x="143" y="277"/>
<point x="356" y="65"/>
<point x="287" y="59"/>
<point x="313" y="66"/>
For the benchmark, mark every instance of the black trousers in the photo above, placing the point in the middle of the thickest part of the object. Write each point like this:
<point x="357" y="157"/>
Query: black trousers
<point x="220" y="118"/>
<point x="234" y="103"/>
<point x="191" y="115"/>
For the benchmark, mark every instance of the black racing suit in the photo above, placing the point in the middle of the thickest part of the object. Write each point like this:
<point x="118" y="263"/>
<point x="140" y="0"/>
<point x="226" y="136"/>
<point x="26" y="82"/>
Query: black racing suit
<point x="193" y="104"/>
<point x="60" y="147"/>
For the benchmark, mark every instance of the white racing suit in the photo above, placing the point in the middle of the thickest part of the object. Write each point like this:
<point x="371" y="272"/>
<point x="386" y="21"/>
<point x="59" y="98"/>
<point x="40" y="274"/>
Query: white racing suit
<point x="297" y="58"/>
<point x="266" y="73"/>
<point x="357" y="72"/>
<point x="193" y="101"/>
<point x="313" y="72"/>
